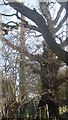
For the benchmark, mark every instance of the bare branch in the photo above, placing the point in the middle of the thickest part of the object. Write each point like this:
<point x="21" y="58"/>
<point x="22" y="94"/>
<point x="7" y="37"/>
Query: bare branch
<point x="65" y="43"/>
<point x="9" y="26"/>
<point x="8" y="15"/>
<point x="10" y="44"/>
<point x="40" y="22"/>
<point x="61" y="23"/>
<point x="29" y="55"/>
<point x="58" y="16"/>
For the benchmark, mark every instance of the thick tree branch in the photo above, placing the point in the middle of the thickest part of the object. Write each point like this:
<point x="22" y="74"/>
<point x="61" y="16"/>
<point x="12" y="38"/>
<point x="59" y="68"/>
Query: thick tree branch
<point x="40" y="22"/>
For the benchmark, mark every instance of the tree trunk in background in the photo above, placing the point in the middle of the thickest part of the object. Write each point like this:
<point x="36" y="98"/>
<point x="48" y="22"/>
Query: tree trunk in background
<point x="0" y="71"/>
<point x="0" y="26"/>
<point x="49" y="67"/>
<point x="0" y="92"/>
<point x="22" y="78"/>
